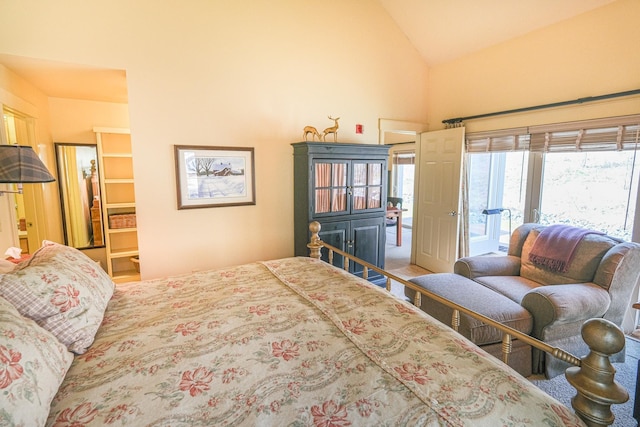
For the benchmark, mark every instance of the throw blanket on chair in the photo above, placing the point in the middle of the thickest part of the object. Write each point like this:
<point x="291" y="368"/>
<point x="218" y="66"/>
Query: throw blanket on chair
<point x="555" y="246"/>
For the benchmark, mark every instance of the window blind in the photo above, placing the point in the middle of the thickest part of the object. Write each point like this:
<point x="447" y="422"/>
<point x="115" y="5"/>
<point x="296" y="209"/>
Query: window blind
<point x="516" y="139"/>
<point x="610" y="134"/>
<point x="404" y="158"/>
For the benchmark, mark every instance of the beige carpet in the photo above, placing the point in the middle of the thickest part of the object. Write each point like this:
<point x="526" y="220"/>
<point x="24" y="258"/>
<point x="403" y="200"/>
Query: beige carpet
<point x="559" y="388"/>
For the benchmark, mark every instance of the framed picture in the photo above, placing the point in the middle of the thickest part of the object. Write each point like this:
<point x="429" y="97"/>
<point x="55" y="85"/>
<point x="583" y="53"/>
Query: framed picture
<point x="208" y="177"/>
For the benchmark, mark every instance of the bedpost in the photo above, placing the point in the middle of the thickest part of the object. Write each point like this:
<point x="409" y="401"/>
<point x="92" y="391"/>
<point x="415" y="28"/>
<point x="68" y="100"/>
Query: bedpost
<point x="315" y="244"/>
<point x="594" y="378"/>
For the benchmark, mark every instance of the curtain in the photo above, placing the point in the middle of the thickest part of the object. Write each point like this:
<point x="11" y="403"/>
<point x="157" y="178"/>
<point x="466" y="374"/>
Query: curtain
<point x="374" y="186"/>
<point x="330" y="187"/>
<point x="339" y="199"/>
<point x="322" y="180"/>
<point x="463" y="237"/>
<point x="77" y="209"/>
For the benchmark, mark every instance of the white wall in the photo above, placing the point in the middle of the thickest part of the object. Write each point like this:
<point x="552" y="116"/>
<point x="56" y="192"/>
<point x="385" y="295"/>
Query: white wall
<point x="593" y="54"/>
<point x="73" y="120"/>
<point x="242" y="73"/>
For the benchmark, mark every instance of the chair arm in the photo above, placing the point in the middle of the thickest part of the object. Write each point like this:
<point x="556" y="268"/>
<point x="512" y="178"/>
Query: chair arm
<point x="479" y="266"/>
<point x="561" y="304"/>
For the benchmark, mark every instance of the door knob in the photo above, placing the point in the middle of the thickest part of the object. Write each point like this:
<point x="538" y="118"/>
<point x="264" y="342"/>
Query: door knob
<point x="453" y="213"/>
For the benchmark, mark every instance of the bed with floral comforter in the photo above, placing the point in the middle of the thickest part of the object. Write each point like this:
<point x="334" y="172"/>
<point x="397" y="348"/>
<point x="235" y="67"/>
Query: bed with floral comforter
<point x="290" y="342"/>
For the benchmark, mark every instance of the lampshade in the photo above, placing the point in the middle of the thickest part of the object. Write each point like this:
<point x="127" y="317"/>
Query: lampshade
<point x="20" y="164"/>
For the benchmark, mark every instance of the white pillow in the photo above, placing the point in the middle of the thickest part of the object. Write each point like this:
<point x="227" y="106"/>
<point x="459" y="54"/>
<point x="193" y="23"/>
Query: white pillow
<point x="34" y="365"/>
<point x="6" y="266"/>
<point x="63" y="290"/>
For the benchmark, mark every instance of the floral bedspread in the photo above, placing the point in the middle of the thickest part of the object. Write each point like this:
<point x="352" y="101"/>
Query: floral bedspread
<point x="291" y="342"/>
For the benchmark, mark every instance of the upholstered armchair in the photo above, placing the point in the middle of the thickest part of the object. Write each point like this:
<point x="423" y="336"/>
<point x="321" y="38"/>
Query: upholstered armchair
<point x="598" y="282"/>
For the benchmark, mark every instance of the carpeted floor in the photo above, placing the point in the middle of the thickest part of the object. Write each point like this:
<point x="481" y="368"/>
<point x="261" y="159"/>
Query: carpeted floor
<point x="559" y="388"/>
<point x="397" y="256"/>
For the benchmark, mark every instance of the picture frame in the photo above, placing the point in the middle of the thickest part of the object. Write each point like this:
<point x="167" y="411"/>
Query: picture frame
<point x="210" y="176"/>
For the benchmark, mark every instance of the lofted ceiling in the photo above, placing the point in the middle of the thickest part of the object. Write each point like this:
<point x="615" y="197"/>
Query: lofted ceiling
<point x="441" y="31"/>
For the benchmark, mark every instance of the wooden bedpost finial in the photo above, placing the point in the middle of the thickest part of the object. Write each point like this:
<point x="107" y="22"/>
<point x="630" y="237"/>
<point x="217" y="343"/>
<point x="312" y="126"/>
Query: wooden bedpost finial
<point x="594" y="378"/>
<point x="315" y="244"/>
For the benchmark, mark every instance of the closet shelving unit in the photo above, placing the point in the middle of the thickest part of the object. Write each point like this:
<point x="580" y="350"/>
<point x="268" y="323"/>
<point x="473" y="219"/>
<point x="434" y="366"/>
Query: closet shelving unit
<point x="118" y="202"/>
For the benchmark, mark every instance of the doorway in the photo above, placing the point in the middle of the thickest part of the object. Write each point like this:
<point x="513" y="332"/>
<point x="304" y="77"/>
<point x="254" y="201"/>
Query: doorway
<point x="19" y="209"/>
<point x="497" y="185"/>
<point x="400" y="195"/>
<point x="401" y="136"/>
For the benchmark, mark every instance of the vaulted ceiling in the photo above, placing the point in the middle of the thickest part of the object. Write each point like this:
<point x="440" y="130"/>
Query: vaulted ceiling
<point x="441" y="30"/>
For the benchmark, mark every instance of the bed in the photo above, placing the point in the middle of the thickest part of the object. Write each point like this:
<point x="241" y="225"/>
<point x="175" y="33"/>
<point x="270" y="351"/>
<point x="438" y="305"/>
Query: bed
<point x="293" y="341"/>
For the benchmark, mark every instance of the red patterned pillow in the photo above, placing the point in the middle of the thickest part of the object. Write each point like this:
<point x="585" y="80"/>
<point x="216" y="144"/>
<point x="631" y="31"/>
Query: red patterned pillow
<point x="63" y="290"/>
<point x="32" y="365"/>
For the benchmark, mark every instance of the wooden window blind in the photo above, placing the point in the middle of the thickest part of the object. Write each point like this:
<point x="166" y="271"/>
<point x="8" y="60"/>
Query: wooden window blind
<point x="516" y="139"/>
<point x="610" y="134"/>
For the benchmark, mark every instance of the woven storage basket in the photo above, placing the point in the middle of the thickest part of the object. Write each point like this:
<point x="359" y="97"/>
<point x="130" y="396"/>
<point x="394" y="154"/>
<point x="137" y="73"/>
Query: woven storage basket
<point x="122" y="221"/>
<point x="136" y="263"/>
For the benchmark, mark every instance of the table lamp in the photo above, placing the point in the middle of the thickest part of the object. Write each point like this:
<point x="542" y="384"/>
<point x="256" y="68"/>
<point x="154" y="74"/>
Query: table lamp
<point x="19" y="164"/>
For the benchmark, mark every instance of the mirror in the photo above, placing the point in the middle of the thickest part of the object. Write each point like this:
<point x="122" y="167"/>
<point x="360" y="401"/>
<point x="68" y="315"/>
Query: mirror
<point x="80" y="195"/>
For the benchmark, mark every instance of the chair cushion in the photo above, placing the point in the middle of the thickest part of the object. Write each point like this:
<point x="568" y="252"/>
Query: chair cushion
<point x="512" y="287"/>
<point x="476" y="297"/>
<point x="582" y="267"/>
<point x="567" y="303"/>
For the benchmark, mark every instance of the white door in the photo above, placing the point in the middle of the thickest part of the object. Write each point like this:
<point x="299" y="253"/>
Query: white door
<point x="438" y="199"/>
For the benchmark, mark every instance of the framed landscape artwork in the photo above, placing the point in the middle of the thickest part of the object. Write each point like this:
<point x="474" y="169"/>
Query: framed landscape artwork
<point x="209" y="177"/>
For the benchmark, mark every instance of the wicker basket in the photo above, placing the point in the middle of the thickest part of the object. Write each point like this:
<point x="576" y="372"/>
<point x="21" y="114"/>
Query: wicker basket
<point x="136" y="263"/>
<point x="122" y="221"/>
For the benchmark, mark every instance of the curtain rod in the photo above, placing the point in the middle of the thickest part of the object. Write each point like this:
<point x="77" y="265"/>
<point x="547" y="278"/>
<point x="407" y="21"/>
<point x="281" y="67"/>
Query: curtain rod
<point x="540" y="107"/>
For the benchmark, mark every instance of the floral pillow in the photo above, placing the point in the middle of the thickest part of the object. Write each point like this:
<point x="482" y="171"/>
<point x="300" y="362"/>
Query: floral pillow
<point x="63" y="290"/>
<point x="32" y="365"/>
<point x="6" y="266"/>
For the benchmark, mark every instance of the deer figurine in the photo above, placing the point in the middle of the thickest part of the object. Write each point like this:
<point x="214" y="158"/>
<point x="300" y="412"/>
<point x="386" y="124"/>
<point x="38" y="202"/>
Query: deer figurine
<point x="313" y="131"/>
<point x="333" y="129"/>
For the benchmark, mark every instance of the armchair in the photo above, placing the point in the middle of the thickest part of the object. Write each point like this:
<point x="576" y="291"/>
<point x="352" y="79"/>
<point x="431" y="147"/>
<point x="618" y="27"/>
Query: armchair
<point x="598" y="282"/>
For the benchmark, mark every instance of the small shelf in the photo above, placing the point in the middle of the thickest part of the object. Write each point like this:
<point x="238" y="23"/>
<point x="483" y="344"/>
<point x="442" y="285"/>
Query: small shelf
<point x="117" y="189"/>
<point x="122" y="230"/>
<point x="126" y="276"/>
<point x="124" y="253"/>
<point x="117" y="155"/>
<point x="119" y="205"/>
<point x="118" y="181"/>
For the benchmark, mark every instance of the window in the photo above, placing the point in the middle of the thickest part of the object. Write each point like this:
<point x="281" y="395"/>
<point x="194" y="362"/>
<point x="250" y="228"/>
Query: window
<point x="497" y="172"/>
<point x="497" y="190"/>
<point x="580" y="173"/>
<point x="594" y="190"/>
<point x="589" y="174"/>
